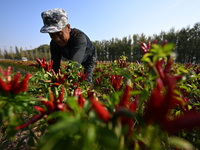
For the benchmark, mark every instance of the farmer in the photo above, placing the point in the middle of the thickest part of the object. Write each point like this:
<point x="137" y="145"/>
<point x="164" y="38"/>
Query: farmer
<point x="68" y="42"/>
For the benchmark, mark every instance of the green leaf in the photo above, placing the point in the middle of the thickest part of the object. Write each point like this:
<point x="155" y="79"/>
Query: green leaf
<point x="146" y="59"/>
<point x="181" y="143"/>
<point x="168" y="47"/>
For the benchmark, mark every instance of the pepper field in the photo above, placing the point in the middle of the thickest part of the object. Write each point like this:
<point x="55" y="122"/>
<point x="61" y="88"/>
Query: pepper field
<point x="151" y="104"/>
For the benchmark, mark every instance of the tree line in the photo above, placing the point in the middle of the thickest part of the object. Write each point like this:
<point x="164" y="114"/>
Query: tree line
<point x="186" y="41"/>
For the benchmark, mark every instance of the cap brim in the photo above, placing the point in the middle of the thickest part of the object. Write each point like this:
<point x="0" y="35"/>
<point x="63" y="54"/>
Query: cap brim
<point x="50" y="29"/>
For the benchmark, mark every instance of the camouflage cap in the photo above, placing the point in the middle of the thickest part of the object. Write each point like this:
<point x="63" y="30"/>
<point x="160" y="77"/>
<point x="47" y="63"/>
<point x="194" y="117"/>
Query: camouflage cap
<point x="54" y="20"/>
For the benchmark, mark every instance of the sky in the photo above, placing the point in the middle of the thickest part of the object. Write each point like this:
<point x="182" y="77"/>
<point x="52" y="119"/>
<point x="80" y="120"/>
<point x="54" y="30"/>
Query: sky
<point x="20" y="20"/>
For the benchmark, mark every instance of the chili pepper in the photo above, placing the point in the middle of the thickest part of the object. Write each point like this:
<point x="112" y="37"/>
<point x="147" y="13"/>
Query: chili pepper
<point x="155" y="41"/>
<point x="98" y="80"/>
<point x="15" y="81"/>
<point x="53" y="105"/>
<point x="8" y="71"/>
<point x="61" y="95"/>
<point x="160" y="84"/>
<point x="160" y="69"/>
<point x="186" y="121"/>
<point x="49" y="67"/>
<point x="125" y="99"/>
<point x="149" y="45"/>
<point x="168" y="66"/>
<point x="116" y="81"/>
<point x="144" y="48"/>
<point x="43" y="63"/>
<point x="12" y="84"/>
<point x="153" y="106"/>
<point x="55" y="84"/>
<point x="81" y="99"/>
<point x="50" y="106"/>
<point x="40" y="109"/>
<point x="39" y="62"/>
<point x="61" y="106"/>
<point x="4" y="86"/>
<point x="23" y="85"/>
<point x="162" y="102"/>
<point x="133" y="105"/>
<point x="15" y="84"/>
<point x="31" y="121"/>
<point x="82" y="76"/>
<point x="77" y="92"/>
<point x="101" y="111"/>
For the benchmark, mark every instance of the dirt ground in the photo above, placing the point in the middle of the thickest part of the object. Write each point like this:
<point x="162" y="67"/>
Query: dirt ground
<point x="21" y="141"/>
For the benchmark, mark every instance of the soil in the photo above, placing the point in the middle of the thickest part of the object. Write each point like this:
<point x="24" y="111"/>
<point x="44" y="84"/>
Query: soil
<point x="21" y="141"/>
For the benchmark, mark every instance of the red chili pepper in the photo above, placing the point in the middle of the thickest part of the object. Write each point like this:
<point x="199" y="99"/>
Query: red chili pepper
<point x="160" y="69"/>
<point x="116" y="81"/>
<point x="39" y="62"/>
<point x="61" y="95"/>
<point x="98" y="80"/>
<point x="153" y="106"/>
<point x="149" y="45"/>
<point x="125" y="99"/>
<point x="4" y="86"/>
<point x="81" y="100"/>
<point x="160" y="84"/>
<point x="133" y="105"/>
<point x="50" y="65"/>
<point x="162" y="102"/>
<point x="50" y="106"/>
<point x="23" y="85"/>
<point x="129" y="122"/>
<point x="31" y="121"/>
<point x="14" y="83"/>
<point x="61" y="106"/>
<point x="40" y="109"/>
<point x="8" y="71"/>
<point x="144" y="47"/>
<point x="77" y="92"/>
<point x="155" y="41"/>
<point x="101" y="111"/>
<point x="168" y="66"/>
<point x="187" y="121"/>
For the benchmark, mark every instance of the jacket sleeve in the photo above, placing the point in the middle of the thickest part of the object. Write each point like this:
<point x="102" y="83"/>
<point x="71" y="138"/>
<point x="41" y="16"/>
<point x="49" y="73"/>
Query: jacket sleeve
<point x="55" y="56"/>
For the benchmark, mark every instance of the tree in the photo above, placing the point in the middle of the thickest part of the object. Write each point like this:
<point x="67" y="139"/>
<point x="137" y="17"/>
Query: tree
<point x="1" y="54"/>
<point x="18" y="55"/>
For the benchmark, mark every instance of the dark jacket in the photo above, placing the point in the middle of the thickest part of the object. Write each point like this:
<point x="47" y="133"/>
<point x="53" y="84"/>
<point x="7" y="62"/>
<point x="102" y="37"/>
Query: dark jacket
<point x="79" y="49"/>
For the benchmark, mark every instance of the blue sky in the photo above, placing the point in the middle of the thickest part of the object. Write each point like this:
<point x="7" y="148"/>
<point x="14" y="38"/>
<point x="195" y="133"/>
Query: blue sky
<point x="99" y="19"/>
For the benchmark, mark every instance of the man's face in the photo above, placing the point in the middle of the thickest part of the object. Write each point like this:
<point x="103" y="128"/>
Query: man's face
<point x="61" y="37"/>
